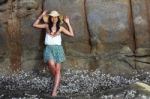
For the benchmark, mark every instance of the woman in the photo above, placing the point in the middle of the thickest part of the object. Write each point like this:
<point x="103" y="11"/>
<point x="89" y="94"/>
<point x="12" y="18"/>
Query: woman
<point x="54" y="53"/>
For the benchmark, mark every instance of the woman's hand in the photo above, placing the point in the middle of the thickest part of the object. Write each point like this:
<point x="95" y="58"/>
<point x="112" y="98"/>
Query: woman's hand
<point x="66" y="19"/>
<point x="65" y="31"/>
<point x="44" y="13"/>
<point x="37" y="22"/>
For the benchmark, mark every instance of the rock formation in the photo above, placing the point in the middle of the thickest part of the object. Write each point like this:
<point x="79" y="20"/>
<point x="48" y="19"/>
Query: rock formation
<point x="110" y="35"/>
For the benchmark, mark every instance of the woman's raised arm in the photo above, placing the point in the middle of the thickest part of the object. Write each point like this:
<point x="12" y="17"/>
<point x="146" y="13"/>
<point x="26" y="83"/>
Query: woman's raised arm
<point x="65" y="31"/>
<point x="37" y="23"/>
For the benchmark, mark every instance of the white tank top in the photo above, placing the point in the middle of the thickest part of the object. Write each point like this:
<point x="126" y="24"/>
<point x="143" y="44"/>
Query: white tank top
<point x="53" y="40"/>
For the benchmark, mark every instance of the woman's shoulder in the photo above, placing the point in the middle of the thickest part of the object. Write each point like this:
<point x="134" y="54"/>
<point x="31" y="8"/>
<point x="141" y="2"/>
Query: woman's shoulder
<point x="61" y="28"/>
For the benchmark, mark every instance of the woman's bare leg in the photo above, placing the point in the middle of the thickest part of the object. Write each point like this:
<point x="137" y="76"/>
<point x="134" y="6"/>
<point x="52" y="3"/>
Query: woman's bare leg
<point x="57" y="79"/>
<point x="51" y="66"/>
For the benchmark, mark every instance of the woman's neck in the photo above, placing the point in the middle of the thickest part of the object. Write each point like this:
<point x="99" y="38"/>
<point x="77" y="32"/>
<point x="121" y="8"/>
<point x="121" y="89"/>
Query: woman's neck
<point x="54" y="24"/>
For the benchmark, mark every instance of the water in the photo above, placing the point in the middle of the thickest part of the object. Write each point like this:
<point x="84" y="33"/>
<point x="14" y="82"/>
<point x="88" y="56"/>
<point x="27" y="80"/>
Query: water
<point x="75" y="84"/>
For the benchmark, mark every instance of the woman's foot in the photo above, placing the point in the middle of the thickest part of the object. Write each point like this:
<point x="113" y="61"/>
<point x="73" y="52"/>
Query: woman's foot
<point x="54" y="94"/>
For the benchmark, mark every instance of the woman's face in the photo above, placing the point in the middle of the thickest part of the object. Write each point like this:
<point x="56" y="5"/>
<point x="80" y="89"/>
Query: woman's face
<point x="54" y="19"/>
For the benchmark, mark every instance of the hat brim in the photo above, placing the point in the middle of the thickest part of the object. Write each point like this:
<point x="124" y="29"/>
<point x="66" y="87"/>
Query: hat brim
<point x="54" y="15"/>
<point x="45" y="18"/>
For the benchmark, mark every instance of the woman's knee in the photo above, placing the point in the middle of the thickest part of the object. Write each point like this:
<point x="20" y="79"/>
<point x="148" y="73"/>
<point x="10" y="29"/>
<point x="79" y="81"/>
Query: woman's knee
<point x="57" y="71"/>
<point x="51" y="62"/>
<point x="51" y="65"/>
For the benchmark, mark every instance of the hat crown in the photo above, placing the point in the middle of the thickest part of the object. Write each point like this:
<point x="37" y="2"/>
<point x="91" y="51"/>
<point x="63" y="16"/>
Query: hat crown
<point x="54" y="13"/>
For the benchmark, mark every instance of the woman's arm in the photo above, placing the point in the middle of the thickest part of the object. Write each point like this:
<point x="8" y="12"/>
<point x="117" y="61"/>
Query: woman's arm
<point x="65" y="31"/>
<point x="37" y="23"/>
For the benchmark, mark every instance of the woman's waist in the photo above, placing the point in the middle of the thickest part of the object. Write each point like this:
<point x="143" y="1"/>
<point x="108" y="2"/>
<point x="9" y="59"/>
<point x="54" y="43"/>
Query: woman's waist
<point x="53" y="44"/>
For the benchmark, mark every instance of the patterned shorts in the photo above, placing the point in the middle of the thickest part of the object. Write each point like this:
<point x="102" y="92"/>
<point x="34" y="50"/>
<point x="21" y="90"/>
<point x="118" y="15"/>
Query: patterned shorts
<point x="55" y="53"/>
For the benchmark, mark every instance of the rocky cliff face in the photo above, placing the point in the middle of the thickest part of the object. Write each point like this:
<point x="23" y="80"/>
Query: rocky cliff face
<point x="110" y="35"/>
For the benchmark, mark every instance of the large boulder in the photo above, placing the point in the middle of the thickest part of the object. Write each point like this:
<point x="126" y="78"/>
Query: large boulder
<point x="108" y="23"/>
<point x="142" y="32"/>
<point x="141" y="22"/>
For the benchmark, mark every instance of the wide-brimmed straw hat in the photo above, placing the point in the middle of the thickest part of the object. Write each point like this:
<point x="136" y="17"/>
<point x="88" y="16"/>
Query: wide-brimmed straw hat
<point x="54" y="13"/>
